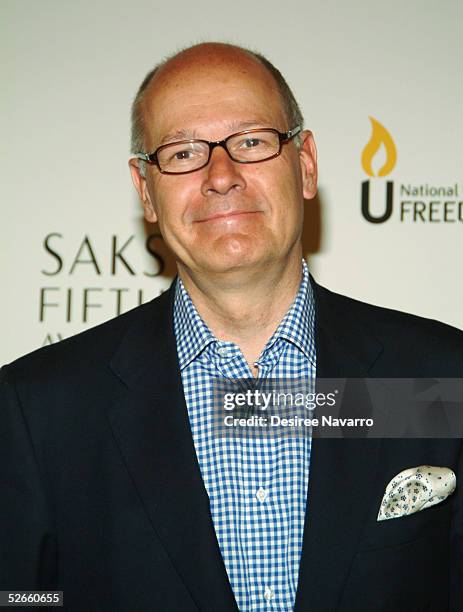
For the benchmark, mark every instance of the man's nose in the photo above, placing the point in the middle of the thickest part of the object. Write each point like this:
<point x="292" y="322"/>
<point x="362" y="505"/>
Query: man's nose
<point x="222" y="174"/>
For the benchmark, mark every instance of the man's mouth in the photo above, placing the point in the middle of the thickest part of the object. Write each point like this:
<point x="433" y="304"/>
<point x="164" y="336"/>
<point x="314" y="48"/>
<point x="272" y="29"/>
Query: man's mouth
<point x="226" y="215"/>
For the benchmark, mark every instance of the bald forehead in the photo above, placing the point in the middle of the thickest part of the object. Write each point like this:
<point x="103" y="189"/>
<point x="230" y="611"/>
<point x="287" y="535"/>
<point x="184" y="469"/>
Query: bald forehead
<point x="210" y="61"/>
<point x="211" y="56"/>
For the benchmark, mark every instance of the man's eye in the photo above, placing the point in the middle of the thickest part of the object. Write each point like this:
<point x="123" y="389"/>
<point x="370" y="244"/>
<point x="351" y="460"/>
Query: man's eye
<point x="249" y="143"/>
<point x="183" y="155"/>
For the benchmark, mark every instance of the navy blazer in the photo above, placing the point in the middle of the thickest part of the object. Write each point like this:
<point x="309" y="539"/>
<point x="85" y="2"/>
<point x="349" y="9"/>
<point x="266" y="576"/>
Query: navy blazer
<point x="102" y="497"/>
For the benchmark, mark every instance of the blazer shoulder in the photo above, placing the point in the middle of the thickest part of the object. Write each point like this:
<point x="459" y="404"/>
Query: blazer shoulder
<point x="389" y="316"/>
<point x="410" y="337"/>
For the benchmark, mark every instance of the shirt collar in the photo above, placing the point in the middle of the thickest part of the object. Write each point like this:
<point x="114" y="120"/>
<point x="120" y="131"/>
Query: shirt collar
<point x="193" y="335"/>
<point x="297" y="325"/>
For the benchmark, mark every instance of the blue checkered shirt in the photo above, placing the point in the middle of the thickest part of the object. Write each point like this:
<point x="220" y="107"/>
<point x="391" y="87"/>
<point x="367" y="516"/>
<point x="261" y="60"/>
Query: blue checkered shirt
<point x="257" y="486"/>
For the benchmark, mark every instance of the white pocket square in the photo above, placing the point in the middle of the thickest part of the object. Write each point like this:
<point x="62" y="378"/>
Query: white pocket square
<point x="416" y="489"/>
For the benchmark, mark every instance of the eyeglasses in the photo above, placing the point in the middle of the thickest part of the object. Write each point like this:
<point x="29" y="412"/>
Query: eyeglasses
<point x="247" y="147"/>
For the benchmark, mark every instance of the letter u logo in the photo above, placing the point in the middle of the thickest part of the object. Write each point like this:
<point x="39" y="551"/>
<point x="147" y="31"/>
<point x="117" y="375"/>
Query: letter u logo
<point x="366" y="203"/>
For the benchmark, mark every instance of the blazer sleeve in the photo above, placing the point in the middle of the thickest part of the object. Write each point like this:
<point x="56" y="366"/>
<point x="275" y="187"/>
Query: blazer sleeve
<point x="27" y="542"/>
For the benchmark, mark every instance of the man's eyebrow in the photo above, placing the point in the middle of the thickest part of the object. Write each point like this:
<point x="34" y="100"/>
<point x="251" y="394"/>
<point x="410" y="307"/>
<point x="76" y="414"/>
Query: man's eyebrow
<point x="234" y="126"/>
<point x="177" y="135"/>
<point x="238" y="126"/>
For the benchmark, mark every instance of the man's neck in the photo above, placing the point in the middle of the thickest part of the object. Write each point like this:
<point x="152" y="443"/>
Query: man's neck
<point x="249" y="311"/>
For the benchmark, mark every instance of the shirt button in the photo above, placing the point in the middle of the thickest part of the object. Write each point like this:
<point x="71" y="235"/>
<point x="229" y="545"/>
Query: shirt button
<point x="222" y="350"/>
<point x="268" y="593"/>
<point x="261" y="494"/>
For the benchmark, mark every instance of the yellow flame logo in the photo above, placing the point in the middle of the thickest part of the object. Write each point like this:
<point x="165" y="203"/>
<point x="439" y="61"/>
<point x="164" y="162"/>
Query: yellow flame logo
<point x="379" y="136"/>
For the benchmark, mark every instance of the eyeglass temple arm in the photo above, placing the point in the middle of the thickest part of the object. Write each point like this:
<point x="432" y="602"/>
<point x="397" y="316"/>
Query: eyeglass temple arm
<point x="291" y="133"/>
<point x="150" y="159"/>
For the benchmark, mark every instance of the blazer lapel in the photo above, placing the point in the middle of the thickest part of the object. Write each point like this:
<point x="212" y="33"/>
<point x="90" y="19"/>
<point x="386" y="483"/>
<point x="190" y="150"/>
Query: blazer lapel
<point x="151" y="426"/>
<point x="341" y="470"/>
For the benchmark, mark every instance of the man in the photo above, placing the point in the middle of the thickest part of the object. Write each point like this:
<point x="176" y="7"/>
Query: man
<point x="115" y="488"/>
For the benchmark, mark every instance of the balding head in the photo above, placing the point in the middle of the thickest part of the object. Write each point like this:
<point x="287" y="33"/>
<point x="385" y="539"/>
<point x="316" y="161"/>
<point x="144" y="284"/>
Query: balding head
<point x="200" y="60"/>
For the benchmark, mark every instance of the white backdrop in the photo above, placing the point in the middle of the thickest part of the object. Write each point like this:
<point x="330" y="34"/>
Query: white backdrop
<point x="73" y="241"/>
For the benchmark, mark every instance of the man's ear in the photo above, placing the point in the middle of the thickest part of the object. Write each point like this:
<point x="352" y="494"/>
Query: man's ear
<point x="140" y="185"/>
<point x="308" y="159"/>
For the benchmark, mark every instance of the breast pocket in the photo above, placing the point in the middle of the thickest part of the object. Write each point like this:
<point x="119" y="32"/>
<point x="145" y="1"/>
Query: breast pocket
<point x="404" y="529"/>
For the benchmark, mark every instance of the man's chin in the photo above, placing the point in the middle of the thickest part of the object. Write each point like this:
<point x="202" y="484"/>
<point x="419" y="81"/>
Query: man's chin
<point x="235" y="262"/>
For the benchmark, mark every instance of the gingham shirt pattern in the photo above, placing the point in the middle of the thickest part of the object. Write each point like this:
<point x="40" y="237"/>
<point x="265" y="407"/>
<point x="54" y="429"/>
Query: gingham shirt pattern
<point x="257" y="486"/>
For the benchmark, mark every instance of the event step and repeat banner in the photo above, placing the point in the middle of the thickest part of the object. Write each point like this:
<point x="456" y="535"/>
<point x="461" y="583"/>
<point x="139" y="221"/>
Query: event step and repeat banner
<point x="380" y="86"/>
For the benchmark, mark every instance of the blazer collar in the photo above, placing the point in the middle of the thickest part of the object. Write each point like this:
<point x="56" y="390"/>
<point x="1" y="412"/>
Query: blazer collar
<point x="345" y="346"/>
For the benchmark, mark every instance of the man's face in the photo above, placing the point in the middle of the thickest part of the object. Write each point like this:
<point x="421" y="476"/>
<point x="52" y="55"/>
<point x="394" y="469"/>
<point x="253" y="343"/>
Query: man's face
<point x="227" y="216"/>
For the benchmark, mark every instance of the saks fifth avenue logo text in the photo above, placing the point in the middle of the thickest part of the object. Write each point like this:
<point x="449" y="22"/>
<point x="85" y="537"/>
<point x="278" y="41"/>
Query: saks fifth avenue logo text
<point x="91" y="277"/>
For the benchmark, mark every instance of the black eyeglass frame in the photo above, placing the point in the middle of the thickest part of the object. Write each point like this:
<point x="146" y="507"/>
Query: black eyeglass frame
<point x="284" y="137"/>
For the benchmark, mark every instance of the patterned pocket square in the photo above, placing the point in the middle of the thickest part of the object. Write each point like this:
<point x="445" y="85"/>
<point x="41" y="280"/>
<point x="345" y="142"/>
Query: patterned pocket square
<point x="416" y="489"/>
